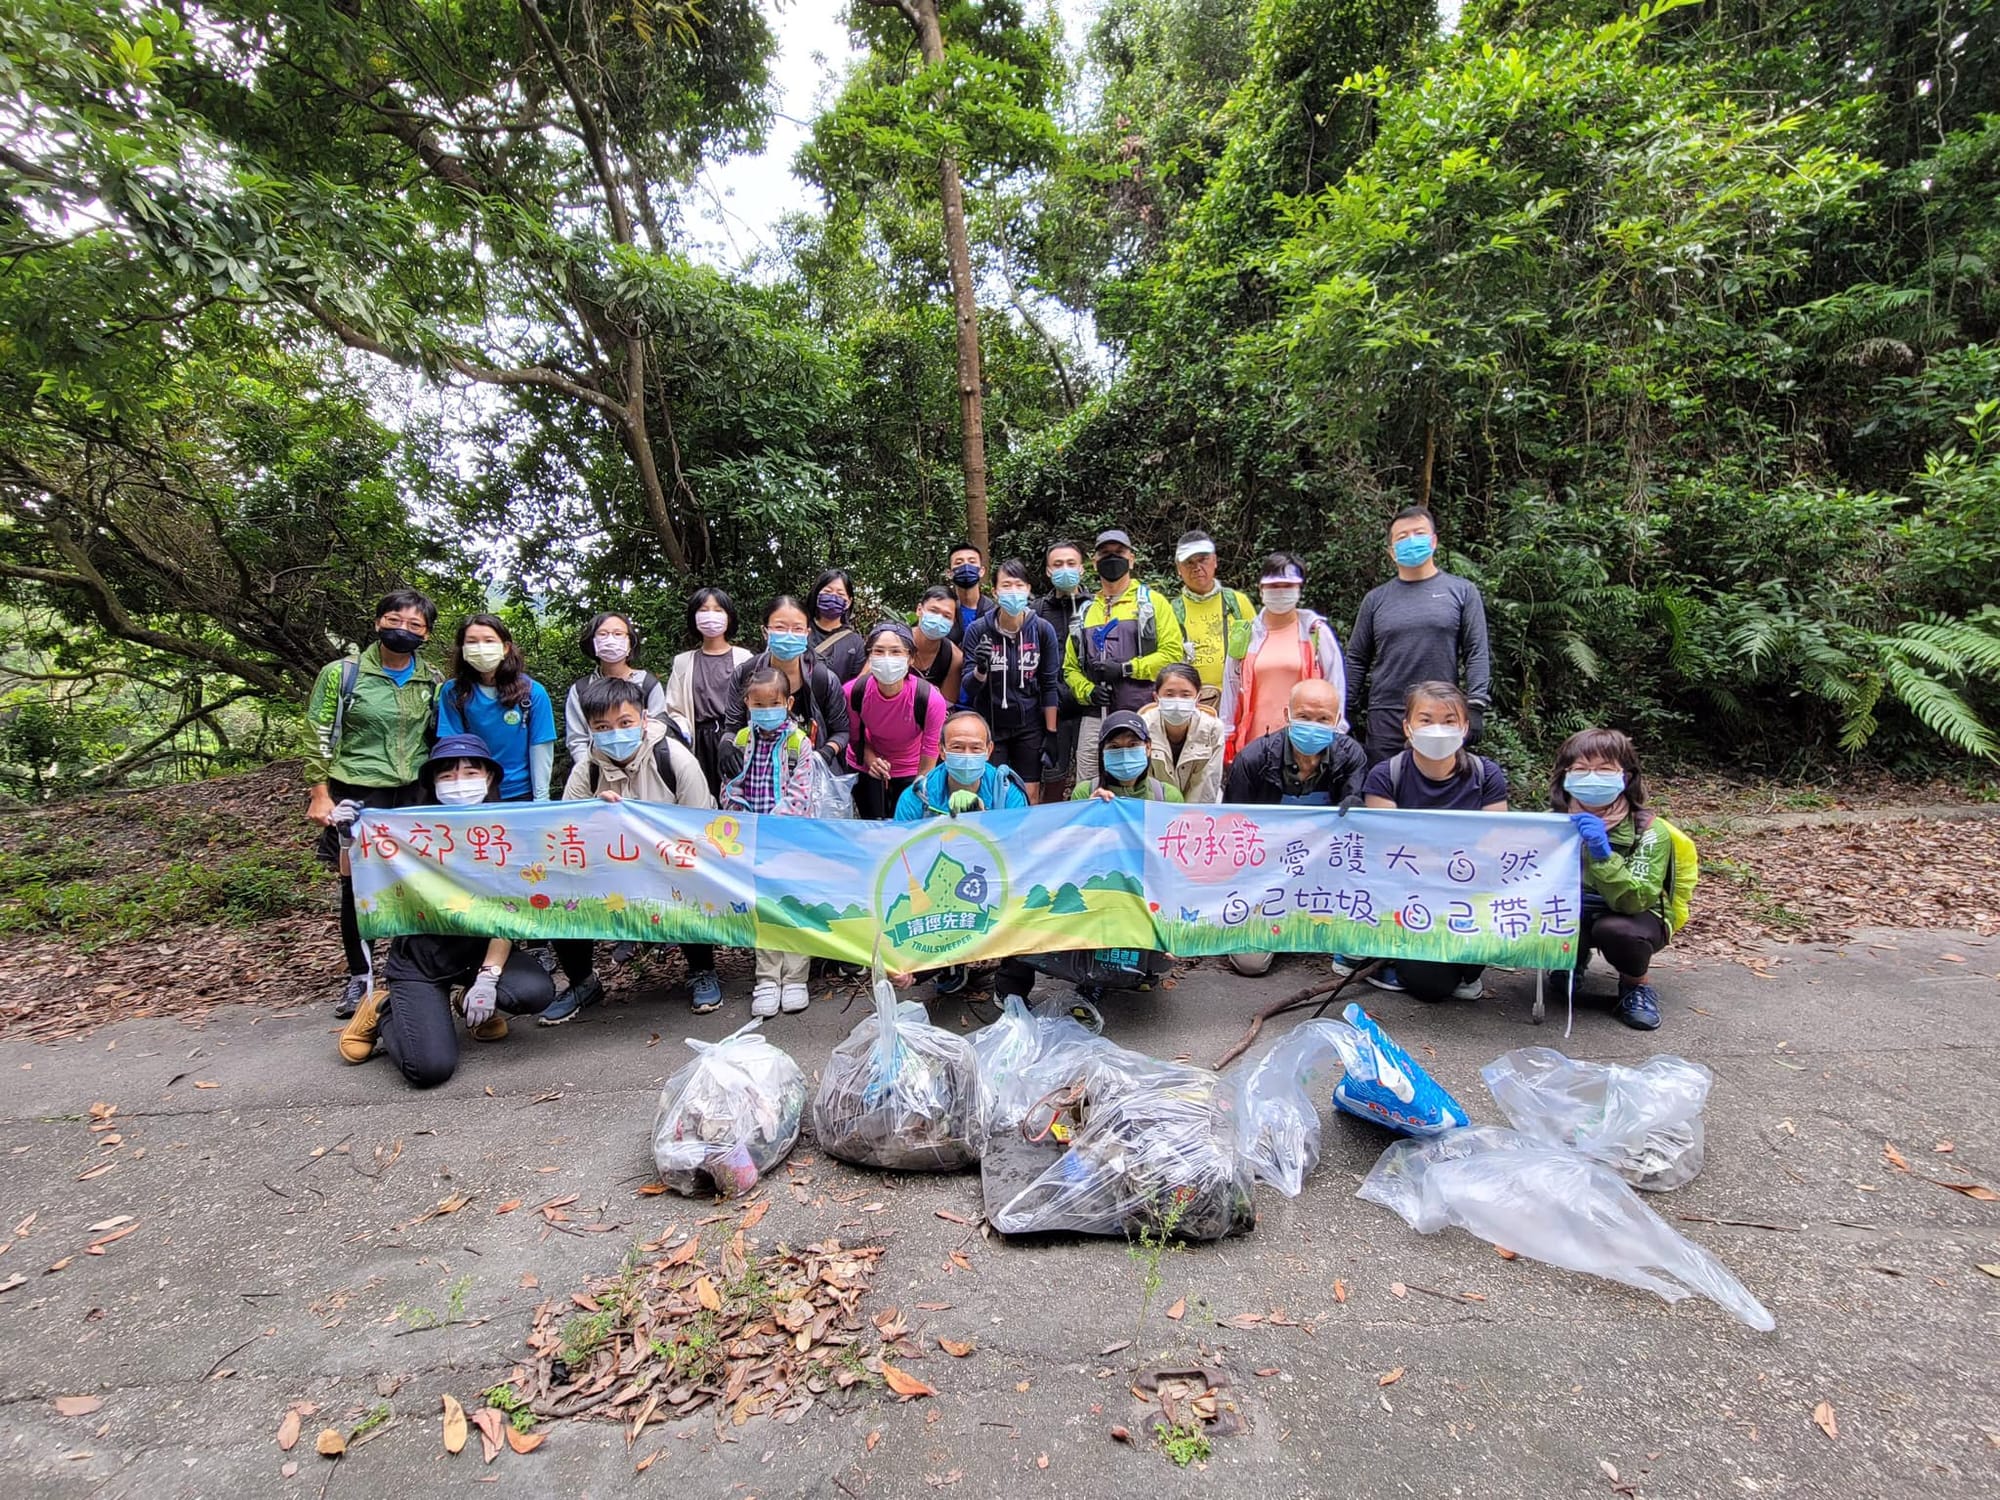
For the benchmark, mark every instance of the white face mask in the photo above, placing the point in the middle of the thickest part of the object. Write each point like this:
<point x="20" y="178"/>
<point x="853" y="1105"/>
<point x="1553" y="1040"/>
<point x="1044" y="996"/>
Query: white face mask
<point x="1438" y="741"/>
<point x="889" y="670"/>
<point x="1280" y="599"/>
<point x="483" y="656"/>
<point x="711" y="622"/>
<point x="611" y="648"/>
<point x="461" y="790"/>
<point x="1177" y="710"/>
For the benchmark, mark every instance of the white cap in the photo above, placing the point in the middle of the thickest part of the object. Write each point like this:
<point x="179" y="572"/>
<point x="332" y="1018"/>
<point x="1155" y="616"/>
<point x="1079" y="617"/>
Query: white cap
<point x="1195" y="548"/>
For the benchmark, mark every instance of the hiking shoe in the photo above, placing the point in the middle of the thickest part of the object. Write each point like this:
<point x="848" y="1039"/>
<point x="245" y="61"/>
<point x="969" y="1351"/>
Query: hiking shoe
<point x="1638" y="1006"/>
<point x="1469" y="989"/>
<point x="620" y="955"/>
<point x="1344" y="965"/>
<point x="764" y="998"/>
<point x="545" y="955"/>
<point x="1250" y="965"/>
<point x="706" y="990"/>
<point x="950" y="981"/>
<point x="357" y="1041"/>
<point x="1385" y="978"/>
<point x="351" y="997"/>
<point x="492" y="1029"/>
<point x="586" y="991"/>
<point x="794" y="998"/>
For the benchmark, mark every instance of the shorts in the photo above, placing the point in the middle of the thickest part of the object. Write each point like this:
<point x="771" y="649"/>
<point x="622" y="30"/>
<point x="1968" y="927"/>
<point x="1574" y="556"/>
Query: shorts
<point x="1020" y="750"/>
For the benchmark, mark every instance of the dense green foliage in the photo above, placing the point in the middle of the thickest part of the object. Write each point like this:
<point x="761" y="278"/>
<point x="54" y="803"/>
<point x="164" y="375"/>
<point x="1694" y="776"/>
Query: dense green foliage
<point x="1685" y="322"/>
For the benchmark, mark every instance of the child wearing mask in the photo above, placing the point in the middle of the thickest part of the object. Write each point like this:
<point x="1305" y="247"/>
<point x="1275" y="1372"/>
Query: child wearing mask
<point x="812" y="693"/>
<point x="611" y="640"/>
<point x="633" y="757"/>
<point x="1186" y="744"/>
<point x="1016" y="662"/>
<point x="1125" y="764"/>
<point x="774" y="774"/>
<point x="894" y="722"/>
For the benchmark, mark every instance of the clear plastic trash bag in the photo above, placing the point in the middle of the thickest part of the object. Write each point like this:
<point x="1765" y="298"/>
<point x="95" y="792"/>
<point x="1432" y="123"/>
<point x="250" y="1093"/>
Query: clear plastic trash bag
<point x="728" y="1116"/>
<point x="1552" y="1204"/>
<point x="899" y="1092"/>
<point x="832" y="794"/>
<point x="1644" y="1122"/>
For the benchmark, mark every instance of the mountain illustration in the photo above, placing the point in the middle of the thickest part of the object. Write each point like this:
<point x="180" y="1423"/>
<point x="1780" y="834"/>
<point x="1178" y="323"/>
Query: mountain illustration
<point x="1069" y="901"/>
<point x="938" y="892"/>
<point x="1115" y="880"/>
<point x="803" y="915"/>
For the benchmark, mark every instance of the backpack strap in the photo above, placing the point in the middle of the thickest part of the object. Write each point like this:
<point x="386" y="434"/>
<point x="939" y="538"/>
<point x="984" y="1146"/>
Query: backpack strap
<point x="832" y="640"/>
<point x="857" y="731"/>
<point x="350" y="678"/>
<point x="663" y="762"/>
<point x="1397" y="764"/>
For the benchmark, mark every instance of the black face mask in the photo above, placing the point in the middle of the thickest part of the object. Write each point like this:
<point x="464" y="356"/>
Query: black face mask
<point x="398" y="641"/>
<point x="1111" y="567"/>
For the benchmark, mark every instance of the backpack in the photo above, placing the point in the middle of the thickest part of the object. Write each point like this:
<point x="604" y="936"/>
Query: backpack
<point x="1683" y="874"/>
<point x="1149" y="630"/>
<point x="822" y="649"/>
<point x="662" y="762"/>
<point x="857" y="732"/>
<point x="1234" y="607"/>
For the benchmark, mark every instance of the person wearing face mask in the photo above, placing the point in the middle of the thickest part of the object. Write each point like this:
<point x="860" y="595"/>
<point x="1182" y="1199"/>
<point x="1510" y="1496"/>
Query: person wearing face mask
<point x="1310" y="762"/>
<point x="835" y="641"/>
<point x="1435" y="773"/>
<point x="966" y="568"/>
<point x="1186" y="744"/>
<point x="1117" y="644"/>
<point x="1287" y="645"/>
<point x="701" y="685"/>
<point x="1627" y="869"/>
<point x="1125" y="764"/>
<point x="813" y="694"/>
<point x="1423" y="625"/>
<point x="412" y="1016"/>
<point x="938" y="658"/>
<point x="1214" y="620"/>
<point x="611" y="640"/>
<point x="1016" y="675"/>
<point x="1063" y="563"/>
<point x="492" y="696"/>
<point x="894" y="721"/>
<point x="371" y="716"/>
<point x="632" y="758"/>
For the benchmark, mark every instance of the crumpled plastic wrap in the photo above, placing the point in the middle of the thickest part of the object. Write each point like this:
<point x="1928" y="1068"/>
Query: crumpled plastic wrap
<point x="900" y="1093"/>
<point x="1552" y="1204"/>
<point x="1644" y="1122"/>
<point x="728" y="1116"/>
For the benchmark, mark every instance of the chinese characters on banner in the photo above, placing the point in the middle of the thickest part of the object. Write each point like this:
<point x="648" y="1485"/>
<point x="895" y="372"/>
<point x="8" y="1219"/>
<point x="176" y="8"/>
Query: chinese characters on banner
<point x="1454" y="887"/>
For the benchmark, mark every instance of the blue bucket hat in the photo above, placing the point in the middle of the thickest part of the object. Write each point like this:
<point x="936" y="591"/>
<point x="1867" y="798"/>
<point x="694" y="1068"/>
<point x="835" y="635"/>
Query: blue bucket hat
<point x="456" y="747"/>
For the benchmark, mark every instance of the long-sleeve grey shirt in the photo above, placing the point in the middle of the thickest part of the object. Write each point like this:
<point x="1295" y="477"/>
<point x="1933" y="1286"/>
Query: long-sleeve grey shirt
<point x="1431" y="630"/>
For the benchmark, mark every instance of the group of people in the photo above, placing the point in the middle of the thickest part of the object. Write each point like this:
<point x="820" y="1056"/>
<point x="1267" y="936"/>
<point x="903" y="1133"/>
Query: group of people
<point x="984" y="698"/>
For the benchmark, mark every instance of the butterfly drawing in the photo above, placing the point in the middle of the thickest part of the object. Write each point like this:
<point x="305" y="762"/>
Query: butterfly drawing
<point x="1190" y="914"/>
<point x="739" y="907"/>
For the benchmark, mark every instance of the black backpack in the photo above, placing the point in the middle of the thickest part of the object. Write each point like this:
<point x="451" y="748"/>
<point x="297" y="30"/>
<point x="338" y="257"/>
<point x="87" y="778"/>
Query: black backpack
<point x="662" y="762"/>
<point x="857" y="732"/>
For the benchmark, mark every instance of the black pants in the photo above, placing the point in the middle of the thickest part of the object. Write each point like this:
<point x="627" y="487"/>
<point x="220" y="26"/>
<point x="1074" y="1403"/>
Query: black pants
<point x="420" y="1031"/>
<point x="1057" y="787"/>
<point x="1013" y="978"/>
<point x="1627" y="943"/>
<point x="1382" y="737"/>
<point x="1020" y="750"/>
<point x="875" y="801"/>
<point x="578" y="956"/>
<point x="1432" y="981"/>
<point x="328" y="849"/>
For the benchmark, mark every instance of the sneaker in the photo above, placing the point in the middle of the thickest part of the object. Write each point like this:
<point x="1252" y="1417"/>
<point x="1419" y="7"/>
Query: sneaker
<point x="794" y="998"/>
<point x="1344" y="965"/>
<point x="950" y="981"/>
<point x="585" y="992"/>
<point x="707" y="992"/>
<point x="1638" y="1006"/>
<point x="620" y="955"/>
<point x="764" y="998"/>
<point x="357" y="1041"/>
<point x="1469" y="989"/>
<point x="1385" y="978"/>
<point x="351" y="997"/>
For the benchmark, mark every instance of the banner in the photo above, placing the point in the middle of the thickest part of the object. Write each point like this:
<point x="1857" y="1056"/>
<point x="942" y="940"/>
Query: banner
<point x="1476" y="888"/>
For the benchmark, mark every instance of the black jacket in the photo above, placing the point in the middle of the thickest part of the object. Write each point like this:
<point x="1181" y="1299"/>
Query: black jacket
<point x="819" y="705"/>
<point x="1257" y="775"/>
<point x="1014" y="693"/>
<point x="1059" y="610"/>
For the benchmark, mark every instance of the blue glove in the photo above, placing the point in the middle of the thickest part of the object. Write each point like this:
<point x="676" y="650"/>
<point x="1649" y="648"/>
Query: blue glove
<point x="1590" y="828"/>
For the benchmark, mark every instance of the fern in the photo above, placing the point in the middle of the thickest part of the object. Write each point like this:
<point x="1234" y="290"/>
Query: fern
<point x="1940" y="709"/>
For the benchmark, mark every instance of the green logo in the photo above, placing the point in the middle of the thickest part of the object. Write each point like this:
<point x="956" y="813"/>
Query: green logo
<point x="940" y="893"/>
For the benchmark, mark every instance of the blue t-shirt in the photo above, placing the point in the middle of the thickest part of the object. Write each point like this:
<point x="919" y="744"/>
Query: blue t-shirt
<point x="508" y="732"/>
<point x="1466" y="790"/>
<point x="402" y="675"/>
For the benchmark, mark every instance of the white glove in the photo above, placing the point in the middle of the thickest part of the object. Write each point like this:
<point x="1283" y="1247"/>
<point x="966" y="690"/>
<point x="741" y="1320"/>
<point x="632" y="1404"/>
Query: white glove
<point x="343" y="816"/>
<point x="481" y="996"/>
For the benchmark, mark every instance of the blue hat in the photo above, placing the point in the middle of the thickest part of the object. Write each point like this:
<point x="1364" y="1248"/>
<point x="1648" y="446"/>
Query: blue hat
<point x="459" y="747"/>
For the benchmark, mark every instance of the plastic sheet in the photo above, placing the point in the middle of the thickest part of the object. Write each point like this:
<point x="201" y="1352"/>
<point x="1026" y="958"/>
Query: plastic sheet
<point x="900" y="1093"/>
<point x="1644" y="1122"/>
<point x="1554" y="1205"/>
<point x="728" y="1116"/>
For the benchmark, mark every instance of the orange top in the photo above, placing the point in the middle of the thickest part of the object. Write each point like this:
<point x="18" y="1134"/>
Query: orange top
<point x="1269" y="677"/>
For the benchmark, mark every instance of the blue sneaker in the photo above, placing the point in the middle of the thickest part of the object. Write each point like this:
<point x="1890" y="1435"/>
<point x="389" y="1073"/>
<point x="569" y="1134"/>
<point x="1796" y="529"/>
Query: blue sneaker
<point x="1390" y="1089"/>
<point x="707" y="992"/>
<point x="1344" y="964"/>
<point x="1385" y="978"/>
<point x="586" y="991"/>
<point x="1638" y="1006"/>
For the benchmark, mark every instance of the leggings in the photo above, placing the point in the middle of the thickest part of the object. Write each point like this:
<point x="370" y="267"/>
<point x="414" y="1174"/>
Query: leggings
<point x="420" y="1030"/>
<point x="1627" y="943"/>
<point x="875" y="801"/>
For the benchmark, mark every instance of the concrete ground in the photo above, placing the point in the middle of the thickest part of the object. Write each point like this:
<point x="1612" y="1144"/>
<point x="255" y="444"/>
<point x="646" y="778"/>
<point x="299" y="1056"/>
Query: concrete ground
<point x="258" y="1274"/>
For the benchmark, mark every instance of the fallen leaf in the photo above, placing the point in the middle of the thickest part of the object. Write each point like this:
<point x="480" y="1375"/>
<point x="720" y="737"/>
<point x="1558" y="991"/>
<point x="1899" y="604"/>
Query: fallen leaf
<point x="288" y="1431"/>
<point x="1265" y="1374"/>
<point x="903" y="1383"/>
<point x="1944" y="1147"/>
<point x="1022" y="1386"/>
<point x="287" y="1469"/>
<point x="874" y="1438"/>
<point x="77" y="1406"/>
<point x="97" y="1171"/>
<point x="508" y="1207"/>
<point x="1178" y="1310"/>
<point x="330" y="1444"/>
<point x="1397" y="1289"/>
<point x="1991" y="1268"/>
<point x="1974" y="1190"/>
<point x="1121" y="1434"/>
<point x="201" y="1084"/>
<point x="455" y="1430"/>
<point x="1610" y="1469"/>
<point x="1110" y="1349"/>
<point x="1823" y="1419"/>
<point x="951" y="1218"/>
<point x="1894" y="1157"/>
<point x="1042" y="1462"/>
<point x="1241" y="1320"/>
<point x="1391" y="1378"/>
<point x="955" y="1349"/>
<point x="1952" y="958"/>
<point x="651" y="1189"/>
<point x="103" y="1224"/>
<point x="524" y="1442"/>
<point x="706" y="1294"/>
<point x="489" y="1422"/>
<point x="96" y="1247"/>
<point x="645" y="1463"/>
<point x="1339" y="1291"/>
<point x="530" y="1280"/>
<point x="1505" y="1254"/>
<point x="58" y="1265"/>
<point x="756" y="1213"/>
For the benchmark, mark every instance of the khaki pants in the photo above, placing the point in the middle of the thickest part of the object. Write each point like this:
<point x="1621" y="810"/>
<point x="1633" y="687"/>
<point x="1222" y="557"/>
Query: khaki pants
<point x="782" y="968"/>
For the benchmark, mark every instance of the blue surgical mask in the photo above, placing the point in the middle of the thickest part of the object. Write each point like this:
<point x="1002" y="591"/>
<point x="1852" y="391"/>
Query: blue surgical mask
<point x="619" y="744"/>
<point x="787" y="645"/>
<point x="769" y="719"/>
<point x="1594" y="788"/>
<point x="937" y="627"/>
<point x="965" y="767"/>
<point x="965" y="575"/>
<point x="1414" y="551"/>
<point x="1308" y="738"/>
<point x="1014" y="601"/>
<point x="1066" y="578"/>
<point x="1125" y="762"/>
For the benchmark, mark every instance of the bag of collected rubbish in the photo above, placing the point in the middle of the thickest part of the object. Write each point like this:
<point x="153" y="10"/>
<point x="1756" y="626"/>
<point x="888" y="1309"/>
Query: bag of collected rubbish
<point x="1552" y="1204"/>
<point x="899" y="1092"/>
<point x="1384" y="1086"/>
<point x="727" y="1117"/>
<point x="1024" y="1055"/>
<point x="1151" y="1149"/>
<point x="1644" y="1122"/>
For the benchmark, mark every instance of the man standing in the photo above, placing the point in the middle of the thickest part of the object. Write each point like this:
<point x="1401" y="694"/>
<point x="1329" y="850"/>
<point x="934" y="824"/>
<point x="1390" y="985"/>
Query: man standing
<point x="1063" y="563"/>
<point x="967" y="572"/>
<point x="1423" y="625"/>
<point x="1214" y="620"/>
<point x="1117" y="644"/>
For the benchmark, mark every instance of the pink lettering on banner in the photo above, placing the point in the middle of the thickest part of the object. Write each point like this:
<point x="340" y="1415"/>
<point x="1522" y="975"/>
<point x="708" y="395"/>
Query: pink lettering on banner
<point x="1210" y="849"/>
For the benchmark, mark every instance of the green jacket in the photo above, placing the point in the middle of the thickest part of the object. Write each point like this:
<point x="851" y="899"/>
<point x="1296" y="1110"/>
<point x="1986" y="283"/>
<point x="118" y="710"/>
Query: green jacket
<point x="1634" y="879"/>
<point x="386" y="731"/>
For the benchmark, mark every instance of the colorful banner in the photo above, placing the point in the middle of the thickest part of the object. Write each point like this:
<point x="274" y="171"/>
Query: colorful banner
<point x="1492" y="888"/>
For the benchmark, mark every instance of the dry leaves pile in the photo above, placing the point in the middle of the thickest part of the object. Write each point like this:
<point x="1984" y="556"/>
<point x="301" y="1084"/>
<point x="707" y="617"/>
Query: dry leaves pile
<point x="744" y="1333"/>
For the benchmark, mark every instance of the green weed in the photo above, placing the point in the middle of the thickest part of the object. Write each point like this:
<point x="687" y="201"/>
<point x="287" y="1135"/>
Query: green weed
<point x="1186" y="1445"/>
<point x="511" y="1404"/>
<point x="378" y="1414"/>
<point x="1147" y="1253"/>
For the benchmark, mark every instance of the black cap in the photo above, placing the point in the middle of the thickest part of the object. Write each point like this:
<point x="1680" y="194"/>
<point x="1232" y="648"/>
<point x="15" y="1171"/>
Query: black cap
<point x="454" y="747"/>
<point x="1123" y="718"/>
<point x="1108" y="538"/>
